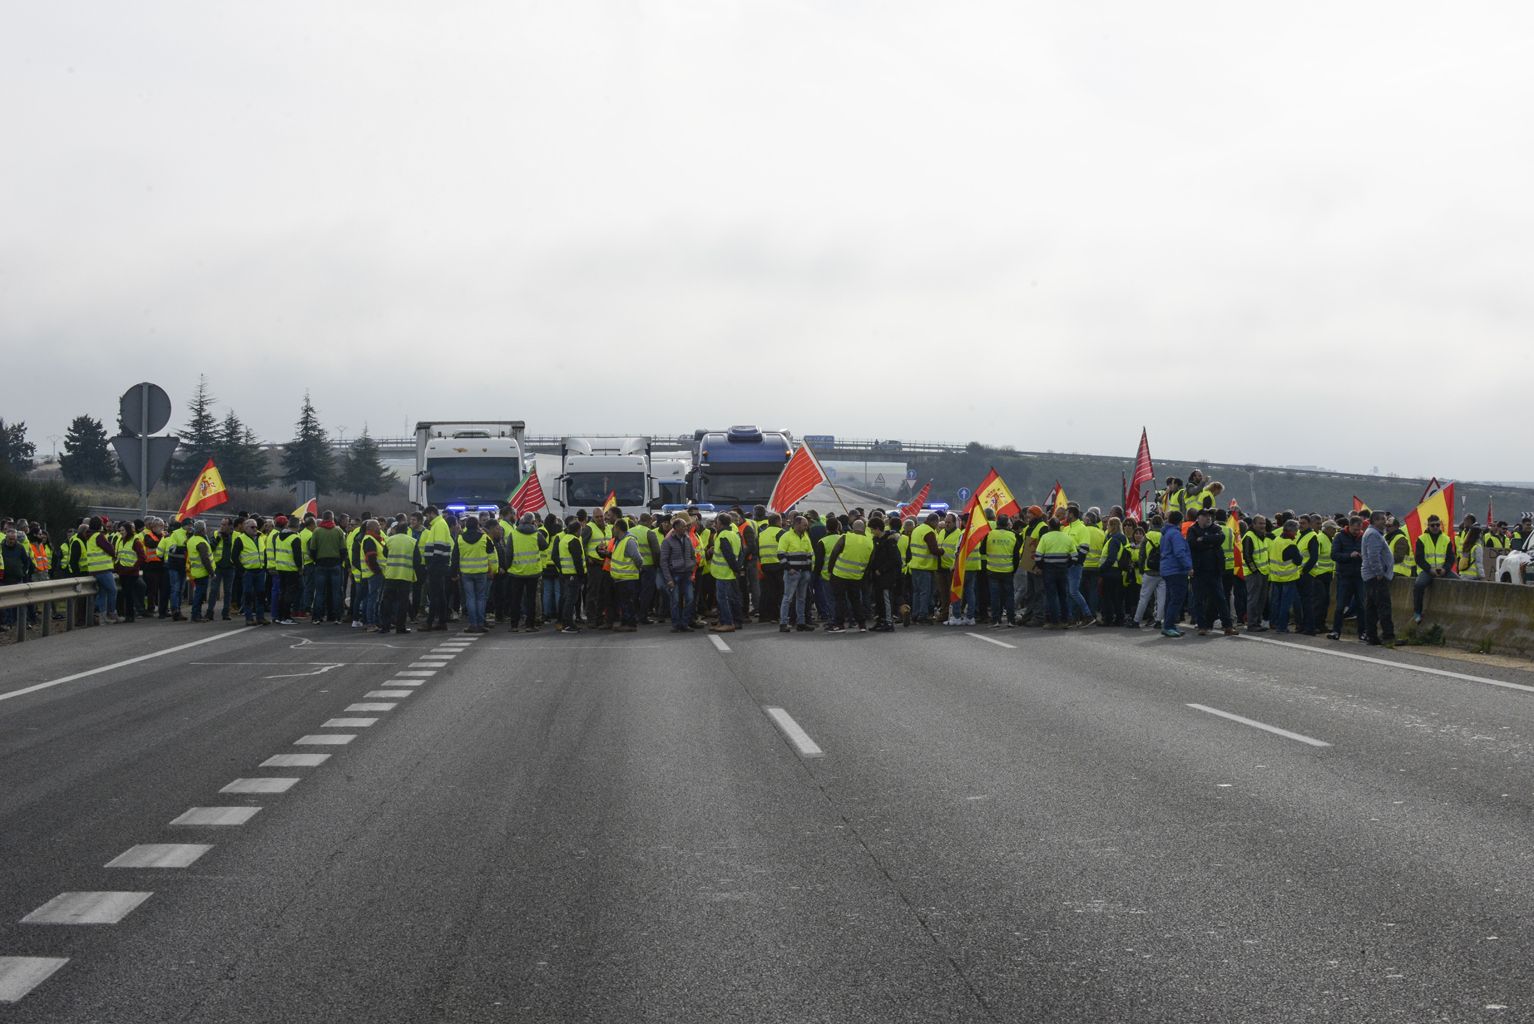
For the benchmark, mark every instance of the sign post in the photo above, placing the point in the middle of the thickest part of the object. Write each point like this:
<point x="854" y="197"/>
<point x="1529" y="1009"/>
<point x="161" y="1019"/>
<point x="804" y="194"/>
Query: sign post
<point x="143" y="410"/>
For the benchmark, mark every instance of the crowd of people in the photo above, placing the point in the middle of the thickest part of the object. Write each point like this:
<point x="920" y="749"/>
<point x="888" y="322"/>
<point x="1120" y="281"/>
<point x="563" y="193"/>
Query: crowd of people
<point x="1187" y="560"/>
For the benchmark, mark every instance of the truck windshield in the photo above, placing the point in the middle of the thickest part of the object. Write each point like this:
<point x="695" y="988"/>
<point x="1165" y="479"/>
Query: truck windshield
<point x="738" y="488"/>
<point x="589" y="490"/>
<point x="472" y="481"/>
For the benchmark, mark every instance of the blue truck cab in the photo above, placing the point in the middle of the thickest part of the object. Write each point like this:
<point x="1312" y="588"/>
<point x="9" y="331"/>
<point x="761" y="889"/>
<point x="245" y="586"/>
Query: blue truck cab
<point x="738" y="466"/>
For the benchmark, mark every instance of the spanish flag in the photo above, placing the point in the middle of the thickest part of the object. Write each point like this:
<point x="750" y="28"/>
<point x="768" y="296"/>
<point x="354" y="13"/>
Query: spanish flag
<point x="308" y="508"/>
<point x="1057" y="499"/>
<point x="992" y="494"/>
<point x="1437" y="500"/>
<point x="207" y="491"/>
<point x="611" y="502"/>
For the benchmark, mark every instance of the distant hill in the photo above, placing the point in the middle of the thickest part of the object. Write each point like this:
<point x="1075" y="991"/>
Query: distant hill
<point x="1095" y="480"/>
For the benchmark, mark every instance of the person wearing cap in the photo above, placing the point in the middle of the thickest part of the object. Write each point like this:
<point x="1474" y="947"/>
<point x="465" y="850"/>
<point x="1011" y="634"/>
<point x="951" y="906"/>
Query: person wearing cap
<point x="524" y="570"/>
<point x="1206" y="540"/>
<point x="1285" y="564"/>
<point x="1435" y="552"/>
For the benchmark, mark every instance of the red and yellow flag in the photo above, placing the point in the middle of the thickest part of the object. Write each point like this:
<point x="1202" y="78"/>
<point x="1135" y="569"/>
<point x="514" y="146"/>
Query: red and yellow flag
<point x="1438" y="501"/>
<point x="611" y="502"/>
<point x="308" y="508"/>
<point x="992" y="494"/>
<point x="207" y="491"/>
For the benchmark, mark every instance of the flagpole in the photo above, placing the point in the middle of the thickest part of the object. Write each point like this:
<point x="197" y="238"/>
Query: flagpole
<point x="845" y="509"/>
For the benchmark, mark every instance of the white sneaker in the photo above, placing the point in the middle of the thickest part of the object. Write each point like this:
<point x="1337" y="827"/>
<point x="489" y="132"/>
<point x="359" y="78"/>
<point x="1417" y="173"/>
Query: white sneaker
<point x="951" y="621"/>
<point x="356" y="624"/>
<point x="969" y="622"/>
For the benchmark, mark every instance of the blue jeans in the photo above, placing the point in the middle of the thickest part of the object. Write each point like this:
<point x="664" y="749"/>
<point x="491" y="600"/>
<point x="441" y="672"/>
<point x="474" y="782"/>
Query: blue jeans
<point x="1003" y="598"/>
<point x="647" y="578"/>
<point x="551" y="587"/>
<point x="253" y="595"/>
<point x="1176" y="597"/>
<point x="796" y="588"/>
<point x="964" y="608"/>
<point x="177" y="581"/>
<point x="824" y="605"/>
<point x="727" y="597"/>
<point x="1057" y="605"/>
<point x="106" y="594"/>
<point x="681" y="602"/>
<point x="325" y="592"/>
<point x="921" y="593"/>
<point x="476" y="588"/>
<point x="308" y="588"/>
<point x="199" y="596"/>
<point x="221" y="582"/>
<point x="1079" y="608"/>
<point x="1284" y="598"/>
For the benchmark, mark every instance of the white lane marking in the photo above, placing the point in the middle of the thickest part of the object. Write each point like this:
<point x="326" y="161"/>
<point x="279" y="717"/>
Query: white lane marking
<point x="21" y="974"/>
<point x="87" y="908"/>
<point x="159" y="855"/>
<point x="272" y="785"/>
<point x="797" y="736"/>
<point x="218" y="816"/>
<point x="719" y="643"/>
<point x="1392" y="664"/>
<point x="1275" y="730"/>
<point x="348" y="723"/>
<point x="321" y="670"/>
<point x="387" y="693"/>
<point x="116" y="664"/>
<point x="416" y="673"/>
<point x="430" y="663"/>
<point x="325" y="739"/>
<point x="990" y="640"/>
<point x="294" y="761"/>
<point x="371" y="706"/>
<point x="407" y="682"/>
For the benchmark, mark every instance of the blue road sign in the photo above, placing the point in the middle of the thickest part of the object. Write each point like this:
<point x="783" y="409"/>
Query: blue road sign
<point x="910" y="474"/>
<point x="964" y="493"/>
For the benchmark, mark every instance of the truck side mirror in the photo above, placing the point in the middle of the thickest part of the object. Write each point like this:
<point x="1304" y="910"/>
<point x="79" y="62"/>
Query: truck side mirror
<point x="656" y="504"/>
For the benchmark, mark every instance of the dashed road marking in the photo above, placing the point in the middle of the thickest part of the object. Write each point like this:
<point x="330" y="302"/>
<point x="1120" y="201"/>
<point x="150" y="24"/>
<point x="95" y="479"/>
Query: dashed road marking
<point x="797" y="736"/>
<point x="216" y="816"/>
<point x="294" y="761"/>
<point x="371" y="706"/>
<point x="325" y="739"/>
<point x="116" y="664"/>
<point x="1275" y="730"/>
<point x="718" y="642"/>
<point x="348" y="723"/>
<point x="993" y="640"/>
<point x="432" y="663"/>
<point x="87" y="908"/>
<point x="1391" y="664"/>
<point x="160" y="855"/>
<point x="272" y="785"/>
<point x="407" y="682"/>
<point x="387" y="693"/>
<point x="21" y="974"/>
<point x="416" y="673"/>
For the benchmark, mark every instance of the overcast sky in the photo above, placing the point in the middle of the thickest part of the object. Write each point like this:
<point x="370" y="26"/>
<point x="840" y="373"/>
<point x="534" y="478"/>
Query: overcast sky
<point x="1279" y="234"/>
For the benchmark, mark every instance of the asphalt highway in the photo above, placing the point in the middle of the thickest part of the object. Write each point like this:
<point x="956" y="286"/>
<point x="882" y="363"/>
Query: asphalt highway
<point x="935" y="825"/>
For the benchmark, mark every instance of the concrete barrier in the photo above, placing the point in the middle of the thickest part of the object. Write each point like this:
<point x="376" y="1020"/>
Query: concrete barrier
<point x="1471" y="613"/>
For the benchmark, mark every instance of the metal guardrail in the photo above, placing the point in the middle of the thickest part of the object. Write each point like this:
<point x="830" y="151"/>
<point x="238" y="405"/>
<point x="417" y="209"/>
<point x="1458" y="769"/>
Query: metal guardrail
<point x="72" y="591"/>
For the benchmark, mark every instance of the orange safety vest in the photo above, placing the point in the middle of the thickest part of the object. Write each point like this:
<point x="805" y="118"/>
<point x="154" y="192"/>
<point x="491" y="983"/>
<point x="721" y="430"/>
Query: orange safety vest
<point x="152" y="551"/>
<point x="42" y="559"/>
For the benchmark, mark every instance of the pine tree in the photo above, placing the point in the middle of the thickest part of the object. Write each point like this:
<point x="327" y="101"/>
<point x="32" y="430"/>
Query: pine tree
<point x="199" y="441"/>
<point x="15" y="450"/>
<point x="87" y="458"/>
<point x="363" y="474"/>
<point x="307" y="456"/>
<point x="239" y="455"/>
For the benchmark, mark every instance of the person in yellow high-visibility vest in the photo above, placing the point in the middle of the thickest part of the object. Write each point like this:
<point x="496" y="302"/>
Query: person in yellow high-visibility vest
<point x="727" y="562"/>
<point x="848" y="562"/>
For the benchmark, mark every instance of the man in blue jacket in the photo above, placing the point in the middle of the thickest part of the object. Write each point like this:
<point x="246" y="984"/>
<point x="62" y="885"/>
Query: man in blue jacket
<point x="1176" y="563"/>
